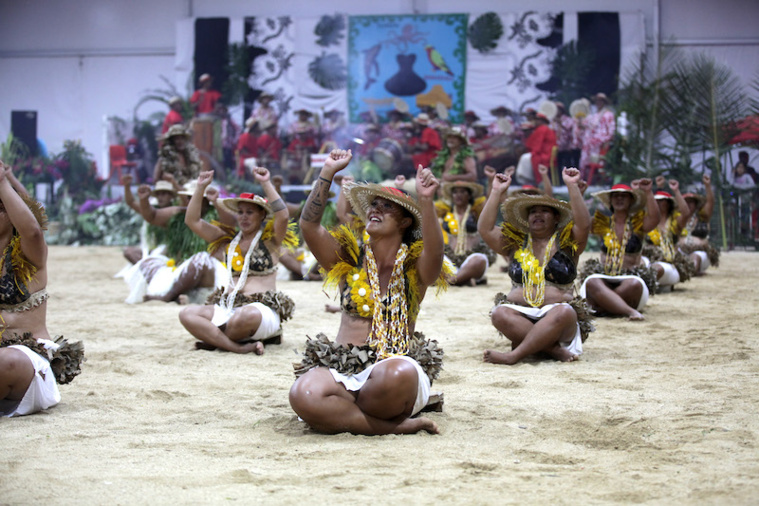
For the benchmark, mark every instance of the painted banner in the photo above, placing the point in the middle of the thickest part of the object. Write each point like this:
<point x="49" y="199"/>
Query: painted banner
<point x="406" y="62"/>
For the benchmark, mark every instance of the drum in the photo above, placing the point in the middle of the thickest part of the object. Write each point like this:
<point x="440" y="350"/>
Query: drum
<point x="387" y="155"/>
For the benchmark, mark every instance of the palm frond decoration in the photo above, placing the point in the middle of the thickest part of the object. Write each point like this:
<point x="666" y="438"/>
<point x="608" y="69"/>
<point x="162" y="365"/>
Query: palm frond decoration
<point x="328" y="71"/>
<point x="330" y="30"/>
<point x="570" y="69"/>
<point x="485" y="32"/>
<point x="236" y="87"/>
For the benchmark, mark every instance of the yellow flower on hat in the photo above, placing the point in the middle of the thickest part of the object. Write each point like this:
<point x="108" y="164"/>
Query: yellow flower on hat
<point x="171" y="263"/>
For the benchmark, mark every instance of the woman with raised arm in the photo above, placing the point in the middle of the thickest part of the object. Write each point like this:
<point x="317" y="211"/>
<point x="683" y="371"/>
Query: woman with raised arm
<point x="31" y="364"/>
<point x="695" y="241"/>
<point x="378" y="373"/>
<point x="617" y="284"/>
<point x="467" y="253"/>
<point x="671" y="265"/>
<point x="543" y="239"/>
<point x="248" y="310"/>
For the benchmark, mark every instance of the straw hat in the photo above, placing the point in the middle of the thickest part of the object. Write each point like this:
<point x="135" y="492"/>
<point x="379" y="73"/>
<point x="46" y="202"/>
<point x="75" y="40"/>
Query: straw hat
<point x="700" y="199"/>
<point x="526" y="189"/>
<point x="233" y="204"/>
<point x="163" y="186"/>
<point x="516" y="209"/>
<point x="362" y="195"/>
<point x="177" y="130"/>
<point x="605" y="197"/>
<point x="579" y="108"/>
<point x="190" y="186"/>
<point x="501" y="110"/>
<point x="204" y="77"/>
<point x="661" y="195"/>
<point x="458" y="132"/>
<point x="265" y="96"/>
<point x="475" y="189"/>
<point x="175" y="100"/>
<point x="423" y="119"/>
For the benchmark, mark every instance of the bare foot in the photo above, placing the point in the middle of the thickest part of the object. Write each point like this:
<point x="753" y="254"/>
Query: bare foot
<point x="635" y="316"/>
<point x="414" y="425"/>
<point x="562" y="354"/>
<point x="200" y="345"/>
<point x="256" y="347"/>
<point x="331" y="308"/>
<point x="183" y="300"/>
<point x="498" y="357"/>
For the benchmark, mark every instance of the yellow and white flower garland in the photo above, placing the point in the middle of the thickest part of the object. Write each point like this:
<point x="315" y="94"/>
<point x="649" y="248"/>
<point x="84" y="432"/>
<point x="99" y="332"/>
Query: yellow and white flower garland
<point x="533" y="272"/>
<point x="390" y="331"/>
<point x="615" y="250"/>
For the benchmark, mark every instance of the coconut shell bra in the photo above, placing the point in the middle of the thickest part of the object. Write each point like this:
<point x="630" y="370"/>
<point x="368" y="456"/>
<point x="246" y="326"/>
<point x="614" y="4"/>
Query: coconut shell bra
<point x="561" y="270"/>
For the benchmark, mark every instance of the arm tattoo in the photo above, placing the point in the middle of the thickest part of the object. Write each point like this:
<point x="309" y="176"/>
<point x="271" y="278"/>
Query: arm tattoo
<point x="278" y="205"/>
<point x="314" y="208"/>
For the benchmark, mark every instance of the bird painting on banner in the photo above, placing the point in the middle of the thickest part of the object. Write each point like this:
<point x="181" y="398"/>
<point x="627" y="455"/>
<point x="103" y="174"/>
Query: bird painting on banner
<point x="405" y="57"/>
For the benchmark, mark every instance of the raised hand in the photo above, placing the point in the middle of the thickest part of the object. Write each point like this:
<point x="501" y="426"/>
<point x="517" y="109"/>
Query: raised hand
<point x="707" y="180"/>
<point x="337" y="161"/>
<point x="645" y="184"/>
<point x="509" y="171"/>
<point x="570" y="175"/>
<point x="205" y="178"/>
<point x="426" y="183"/>
<point x="501" y="183"/>
<point x="143" y="192"/>
<point x="347" y="179"/>
<point x="582" y="185"/>
<point x="212" y="194"/>
<point x="674" y="185"/>
<point x="542" y="170"/>
<point x="170" y="178"/>
<point x="126" y="180"/>
<point x="261" y="174"/>
<point x="399" y="181"/>
<point x="661" y="181"/>
<point x="490" y="172"/>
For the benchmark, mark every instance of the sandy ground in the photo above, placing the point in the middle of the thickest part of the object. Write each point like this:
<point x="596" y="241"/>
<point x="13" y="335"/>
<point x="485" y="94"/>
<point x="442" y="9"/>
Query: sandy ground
<point x="656" y="412"/>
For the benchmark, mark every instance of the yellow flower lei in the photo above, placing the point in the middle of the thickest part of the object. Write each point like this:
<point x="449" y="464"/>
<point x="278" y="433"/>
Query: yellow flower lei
<point x="390" y="332"/>
<point x="361" y="292"/>
<point x="615" y="250"/>
<point x="453" y="225"/>
<point x="533" y="272"/>
<point x="664" y="242"/>
<point x="237" y="259"/>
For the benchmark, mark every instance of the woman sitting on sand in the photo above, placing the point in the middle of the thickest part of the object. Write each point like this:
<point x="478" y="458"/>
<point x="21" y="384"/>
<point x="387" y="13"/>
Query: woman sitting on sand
<point x="375" y="378"/>
<point x="249" y="309"/>
<point x="543" y="244"/>
<point x="468" y="254"/>
<point x="618" y="284"/>
<point x="179" y="269"/>
<point x="456" y="161"/>
<point x="30" y="363"/>
<point x="695" y="242"/>
<point x="671" y="265"/>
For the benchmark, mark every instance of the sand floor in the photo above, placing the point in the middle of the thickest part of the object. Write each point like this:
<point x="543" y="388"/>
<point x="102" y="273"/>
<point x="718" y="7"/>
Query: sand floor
<point x="656" y="412"/>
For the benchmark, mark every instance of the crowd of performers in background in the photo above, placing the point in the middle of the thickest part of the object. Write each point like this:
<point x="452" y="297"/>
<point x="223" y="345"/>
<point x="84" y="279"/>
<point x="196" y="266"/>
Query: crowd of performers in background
<point x="395" y="142"/>
<point x="445" y="222"/>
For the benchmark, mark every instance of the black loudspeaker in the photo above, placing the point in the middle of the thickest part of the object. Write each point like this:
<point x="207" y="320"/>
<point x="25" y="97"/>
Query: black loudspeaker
<point x="24" y="129"/>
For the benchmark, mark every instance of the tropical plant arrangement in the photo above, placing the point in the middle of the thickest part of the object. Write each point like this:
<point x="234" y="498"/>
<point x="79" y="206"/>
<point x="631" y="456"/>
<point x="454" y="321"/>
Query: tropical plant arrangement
<point x="682" y="113"/>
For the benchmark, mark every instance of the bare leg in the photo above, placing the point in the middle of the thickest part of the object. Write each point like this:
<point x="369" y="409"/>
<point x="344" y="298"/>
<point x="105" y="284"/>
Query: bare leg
<point x="332" y="308"/>
<point x="291" y="263"/>
<point x="197" y="321"/>
<point x="16" y="374"/>
<point x="193" y="276"/>
<point x="472" y="270"/>
<point x="133" y="254"/>
<point x="328" y="407"/>
<point x="621" y="300"/>
<point x="697" y="263"/>
<point x="559" y="324"/>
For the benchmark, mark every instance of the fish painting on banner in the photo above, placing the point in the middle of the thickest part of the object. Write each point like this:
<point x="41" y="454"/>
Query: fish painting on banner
<point x="405" y="63"/>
